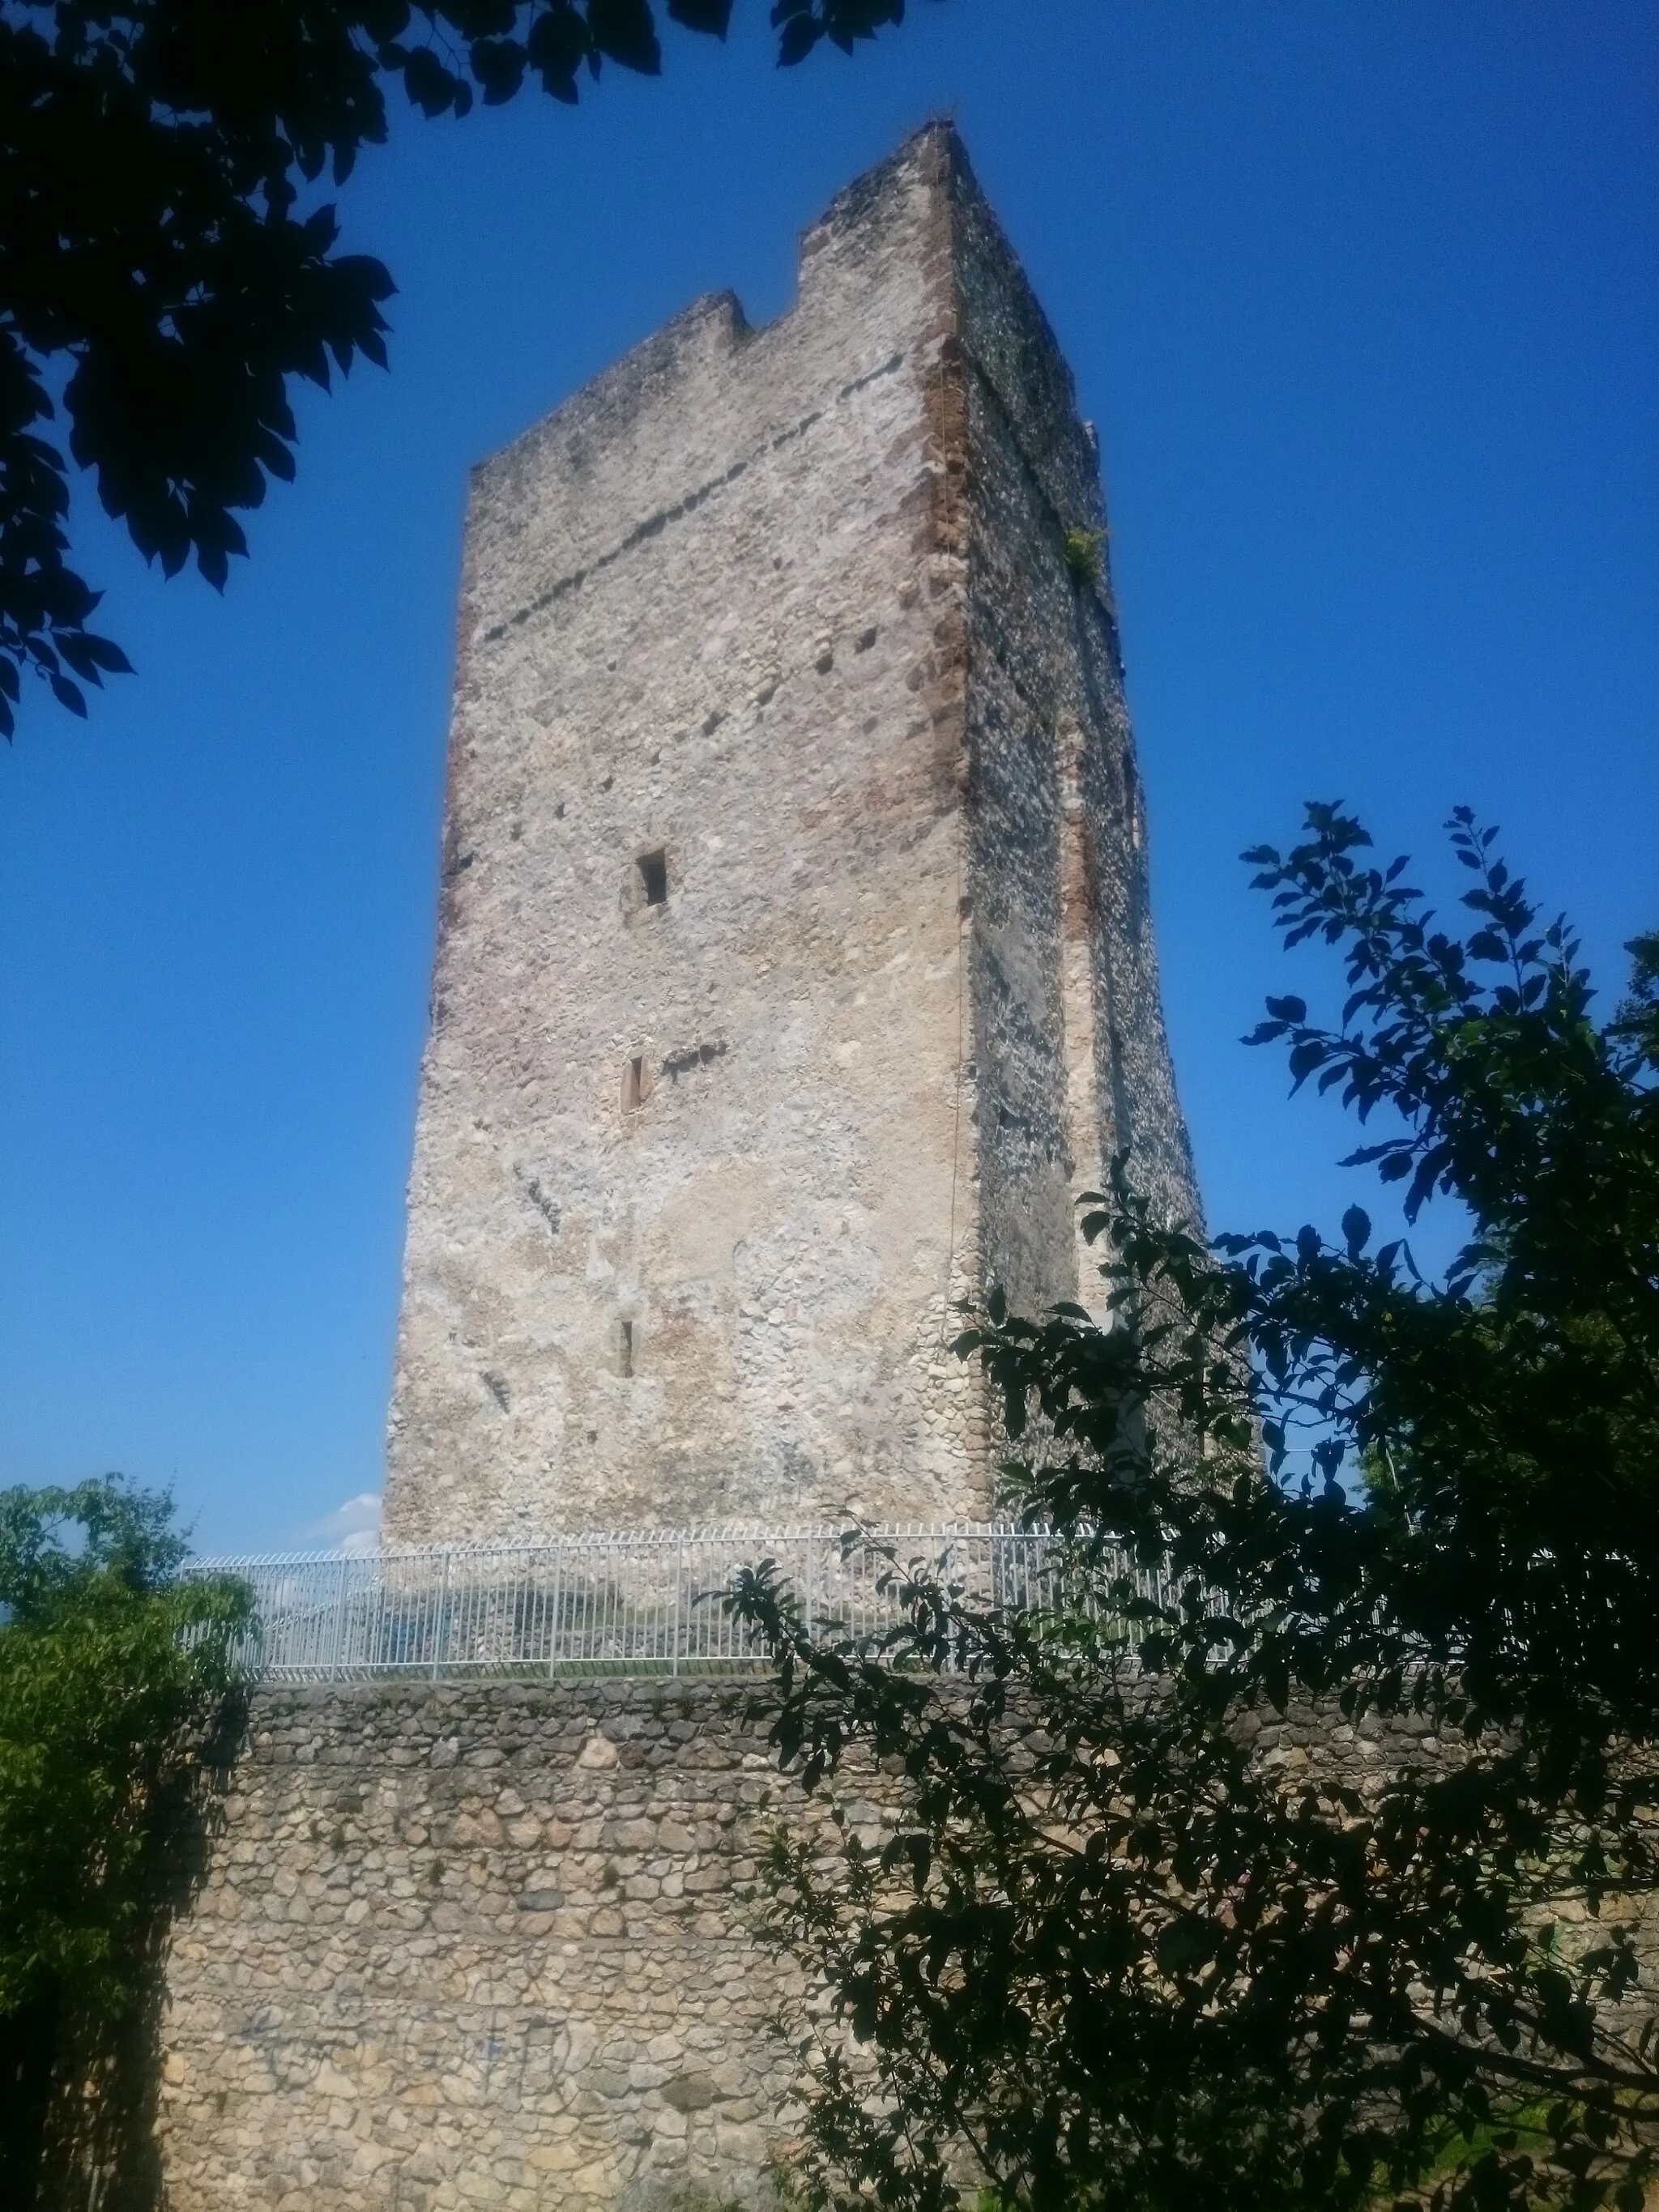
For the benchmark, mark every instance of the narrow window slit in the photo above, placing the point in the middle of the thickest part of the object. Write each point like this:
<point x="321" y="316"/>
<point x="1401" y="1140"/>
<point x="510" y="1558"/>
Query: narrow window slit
<point x="625" y="1350"/>
<point x="633" y="1085"/>
<point x="653" y="876"/>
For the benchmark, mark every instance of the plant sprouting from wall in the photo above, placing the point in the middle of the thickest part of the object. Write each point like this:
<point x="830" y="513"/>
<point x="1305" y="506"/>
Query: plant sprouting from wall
<point x="1084" y="555"/>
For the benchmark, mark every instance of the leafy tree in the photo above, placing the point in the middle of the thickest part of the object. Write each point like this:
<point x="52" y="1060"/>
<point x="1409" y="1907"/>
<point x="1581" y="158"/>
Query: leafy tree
<point x="112" y="1665"/>
<point x="167" y="271"/>
<point x="1123" y="1938"/>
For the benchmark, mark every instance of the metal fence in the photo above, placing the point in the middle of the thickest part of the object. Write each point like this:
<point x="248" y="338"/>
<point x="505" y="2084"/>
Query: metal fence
<point x="644" y="1601"/>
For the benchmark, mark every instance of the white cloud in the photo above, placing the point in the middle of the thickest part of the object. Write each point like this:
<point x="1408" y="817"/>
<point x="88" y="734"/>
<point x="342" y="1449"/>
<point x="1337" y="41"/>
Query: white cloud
<point x="350" y="1529"/>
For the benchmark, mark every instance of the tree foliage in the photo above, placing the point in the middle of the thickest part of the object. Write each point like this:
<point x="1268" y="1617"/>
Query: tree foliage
<point x="167" y="270"/>
<point x="111" y="1665"/>
<point x="1126" y="1938"/>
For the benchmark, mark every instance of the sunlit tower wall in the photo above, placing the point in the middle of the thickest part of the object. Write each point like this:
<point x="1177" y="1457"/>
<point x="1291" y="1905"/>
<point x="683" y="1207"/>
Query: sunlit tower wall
<point x="794" y="970"/>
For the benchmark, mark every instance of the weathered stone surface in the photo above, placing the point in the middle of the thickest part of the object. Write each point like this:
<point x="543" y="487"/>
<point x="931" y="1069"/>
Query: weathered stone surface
<point x="410" y="1983"/>
<point x="795" y="969"/>
<point x="416" y="1982"/>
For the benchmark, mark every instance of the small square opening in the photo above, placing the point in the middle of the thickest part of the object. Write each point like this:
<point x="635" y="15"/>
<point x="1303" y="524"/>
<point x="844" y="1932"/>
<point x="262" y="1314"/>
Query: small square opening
<point x="653" y="876"/>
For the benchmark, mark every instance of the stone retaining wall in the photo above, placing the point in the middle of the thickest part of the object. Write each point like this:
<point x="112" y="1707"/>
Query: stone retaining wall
<point x="479" y="1945"/>
<point x="490" y="1944"/>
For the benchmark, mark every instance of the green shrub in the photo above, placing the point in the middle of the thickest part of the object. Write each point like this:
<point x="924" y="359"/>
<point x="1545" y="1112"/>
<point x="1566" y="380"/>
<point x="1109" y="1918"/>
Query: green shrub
<point x="112" y="1664"/>
<point x="1084" y="555"/>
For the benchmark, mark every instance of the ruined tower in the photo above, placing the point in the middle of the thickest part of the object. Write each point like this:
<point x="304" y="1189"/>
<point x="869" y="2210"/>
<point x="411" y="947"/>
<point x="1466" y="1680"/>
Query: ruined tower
<point x="795" y="969"/>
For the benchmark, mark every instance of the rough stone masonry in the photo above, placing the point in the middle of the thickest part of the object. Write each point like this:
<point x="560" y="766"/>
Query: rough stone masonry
<point x="794" y="970"/>
<point x="479" y="1946"/>
<point x="470" y="1946"/>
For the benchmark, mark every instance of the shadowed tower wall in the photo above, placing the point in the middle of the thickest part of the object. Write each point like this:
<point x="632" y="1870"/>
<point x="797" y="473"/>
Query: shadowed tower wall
<point x="793" y="969"/>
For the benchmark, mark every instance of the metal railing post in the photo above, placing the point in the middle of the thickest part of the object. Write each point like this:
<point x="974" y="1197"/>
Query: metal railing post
<point x="440" y="1625"/>
<point x="555" y="1628"/>
<point x="337" y="1661"/>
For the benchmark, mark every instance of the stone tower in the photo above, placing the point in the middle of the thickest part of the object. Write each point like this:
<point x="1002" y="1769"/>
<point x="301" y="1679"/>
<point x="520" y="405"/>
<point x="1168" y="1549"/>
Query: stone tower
<point x="795" y="969"/>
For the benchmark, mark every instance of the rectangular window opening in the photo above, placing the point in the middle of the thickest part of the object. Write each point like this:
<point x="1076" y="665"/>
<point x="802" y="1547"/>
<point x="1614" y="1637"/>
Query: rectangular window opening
<point x="625" y="1350"/>
<point x="633" y="1087"/>
<point x="653" y="877"/>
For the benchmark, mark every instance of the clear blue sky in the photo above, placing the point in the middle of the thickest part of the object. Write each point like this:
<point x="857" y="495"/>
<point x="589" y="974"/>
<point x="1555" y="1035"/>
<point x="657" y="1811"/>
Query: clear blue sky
<point x="1364" y="300"/>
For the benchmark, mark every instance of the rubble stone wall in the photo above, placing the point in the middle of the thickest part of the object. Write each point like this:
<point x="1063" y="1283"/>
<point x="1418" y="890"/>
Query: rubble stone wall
<point x="484" y="1946"/>
<point x="492" y="1949"/>
<point x="1072" y="1058"/>
<point x="793" y="971"/>
<point x="693" y="1191"/>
